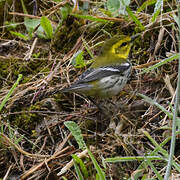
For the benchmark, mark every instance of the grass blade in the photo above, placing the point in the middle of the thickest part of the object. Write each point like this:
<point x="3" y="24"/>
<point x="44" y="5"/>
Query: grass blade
<point x="10" y="92"/>
<point x="164" y="61"/>
<point x="134" y="18"/>
<point x="101" y="174"/>
<point x="157" y="9"/>
<point x="174" y="125"/>
<point x="133" y="158"/>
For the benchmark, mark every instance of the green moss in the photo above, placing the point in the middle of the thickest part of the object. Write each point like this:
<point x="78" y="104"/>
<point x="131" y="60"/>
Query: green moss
<point x="66" y="37"/>
<point x="11" y="68"/>
<point x="25" y="120"/>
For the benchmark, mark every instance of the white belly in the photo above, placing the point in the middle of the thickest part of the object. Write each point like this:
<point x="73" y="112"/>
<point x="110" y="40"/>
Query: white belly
<point x="112" y="85"/>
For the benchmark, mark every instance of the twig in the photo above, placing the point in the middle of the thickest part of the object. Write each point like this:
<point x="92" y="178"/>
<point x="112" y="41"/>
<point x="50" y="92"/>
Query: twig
<point x="36" y="167"/>
<point x="7" y="173"/>
<point x="55" y="155"/>
<point x="146" y="65"/>
<point x="56" y="7"/>
<point x="28" y="56"/>
<point x="25" y="15"/>
<point x="17" y="147"/>
<point x="168" y="84"/>
<point x="70" y="164"/>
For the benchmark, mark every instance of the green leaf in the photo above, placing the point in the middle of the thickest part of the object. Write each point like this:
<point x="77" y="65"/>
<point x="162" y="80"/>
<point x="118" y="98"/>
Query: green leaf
<point x="100" y="172"/>
<point x="78" y="60"/>
<point x="78" y="172"/>
<point x="31" y="25"/>
<point x="157" y="9"/>
<point x="82" y="165"/>
<point x="113" y="6"/>
<point x="21" y="36"/>
<point x="117" y="7"/>
<point x="36" y="55"/>
<point x="65" y="11"/>
<point x="76" y="132"/>
<point x="145" y="4"/>
<point x="123" y="5"/>
<point x="46" y="24"/>
<point x="134" y="18"/>
<point x="10" y="25"/>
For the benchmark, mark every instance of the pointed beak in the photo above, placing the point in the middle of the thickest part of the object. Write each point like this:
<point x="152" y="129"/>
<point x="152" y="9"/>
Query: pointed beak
<point x="135" y="36"/>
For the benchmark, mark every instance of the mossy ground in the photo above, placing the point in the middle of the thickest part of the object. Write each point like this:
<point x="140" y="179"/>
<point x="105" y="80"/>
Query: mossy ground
<point x="34" y="116"/>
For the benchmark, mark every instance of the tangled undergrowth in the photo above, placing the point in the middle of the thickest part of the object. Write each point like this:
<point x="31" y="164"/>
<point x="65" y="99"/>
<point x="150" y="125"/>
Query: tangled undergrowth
<point x="34" y="143"/>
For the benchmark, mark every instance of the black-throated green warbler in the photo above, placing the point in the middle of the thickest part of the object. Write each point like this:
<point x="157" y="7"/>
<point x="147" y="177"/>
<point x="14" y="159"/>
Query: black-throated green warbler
<point x="109" y="72"/>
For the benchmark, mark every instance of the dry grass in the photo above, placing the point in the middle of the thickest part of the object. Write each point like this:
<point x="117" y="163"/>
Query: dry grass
<point x="34" y="142"/>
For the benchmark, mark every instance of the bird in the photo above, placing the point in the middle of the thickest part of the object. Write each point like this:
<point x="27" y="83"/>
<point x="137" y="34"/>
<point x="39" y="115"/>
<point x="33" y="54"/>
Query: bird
<point x="109" y="72"/>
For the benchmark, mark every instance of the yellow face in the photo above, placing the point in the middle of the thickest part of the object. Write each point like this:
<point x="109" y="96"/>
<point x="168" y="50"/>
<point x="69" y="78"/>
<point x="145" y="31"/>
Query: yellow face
<point x="121" y="48"/>
<point x="115" y="51"/>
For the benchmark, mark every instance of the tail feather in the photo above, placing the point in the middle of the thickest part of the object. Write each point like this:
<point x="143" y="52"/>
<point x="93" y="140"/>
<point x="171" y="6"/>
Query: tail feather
<point x="77" y="88"/>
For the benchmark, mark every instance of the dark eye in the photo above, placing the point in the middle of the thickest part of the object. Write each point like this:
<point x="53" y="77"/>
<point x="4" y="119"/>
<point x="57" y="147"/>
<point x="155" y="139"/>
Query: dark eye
<point x="123" y="44"/>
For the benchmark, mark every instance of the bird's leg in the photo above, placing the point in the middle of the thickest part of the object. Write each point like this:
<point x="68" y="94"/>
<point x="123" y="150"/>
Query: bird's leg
<point x="103" y="110"/>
